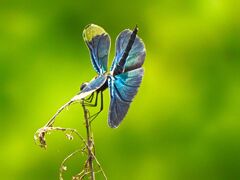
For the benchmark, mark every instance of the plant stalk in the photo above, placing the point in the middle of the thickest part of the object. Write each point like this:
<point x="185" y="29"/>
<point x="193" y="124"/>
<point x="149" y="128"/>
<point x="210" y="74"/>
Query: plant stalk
<point x="89" y="142"/>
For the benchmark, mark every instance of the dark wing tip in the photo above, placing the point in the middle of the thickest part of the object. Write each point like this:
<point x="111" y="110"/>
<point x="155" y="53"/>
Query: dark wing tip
<point x="115" y="117"/>
<point x="113" y="121"/>
<point x="112" y="125"/>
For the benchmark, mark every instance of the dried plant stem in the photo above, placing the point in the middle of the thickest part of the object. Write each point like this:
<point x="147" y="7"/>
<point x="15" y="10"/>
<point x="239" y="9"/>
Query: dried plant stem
<point x="51" y="121"/>
<point x="89" y="142"/>
<point x="88" y="149"/>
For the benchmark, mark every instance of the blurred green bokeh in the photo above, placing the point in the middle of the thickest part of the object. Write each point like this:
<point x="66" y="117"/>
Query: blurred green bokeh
<point x="184" y="124"/>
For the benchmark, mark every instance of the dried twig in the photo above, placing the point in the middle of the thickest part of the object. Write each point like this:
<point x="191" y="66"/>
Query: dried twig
<point x="88" y="144"/>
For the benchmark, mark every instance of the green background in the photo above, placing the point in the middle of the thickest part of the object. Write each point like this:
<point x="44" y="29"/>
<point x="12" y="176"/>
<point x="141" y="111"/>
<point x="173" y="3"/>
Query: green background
<point x="184" y="123"/>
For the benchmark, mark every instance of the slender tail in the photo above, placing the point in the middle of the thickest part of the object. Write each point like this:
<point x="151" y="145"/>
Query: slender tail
<point x="120" y="66"/>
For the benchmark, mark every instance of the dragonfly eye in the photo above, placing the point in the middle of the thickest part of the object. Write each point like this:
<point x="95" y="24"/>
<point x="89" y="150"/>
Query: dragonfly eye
<point x="83" y="85"/>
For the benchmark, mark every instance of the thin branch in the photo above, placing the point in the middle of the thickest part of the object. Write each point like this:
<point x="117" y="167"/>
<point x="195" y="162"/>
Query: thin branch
<point x="52" y="120"/>
<point x="39" y="138"/>
<point x="63" y="167"/>
<point x="100" y="167"/>
<point x="89" y="142"/>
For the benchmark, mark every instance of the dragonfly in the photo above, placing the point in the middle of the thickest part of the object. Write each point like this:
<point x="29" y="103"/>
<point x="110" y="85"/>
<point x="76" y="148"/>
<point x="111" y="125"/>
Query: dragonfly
<point x="124" y="77"/>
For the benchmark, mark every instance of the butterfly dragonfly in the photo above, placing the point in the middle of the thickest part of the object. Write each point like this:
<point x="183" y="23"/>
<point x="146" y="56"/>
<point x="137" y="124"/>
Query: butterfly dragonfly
<point x="125" y="74"/>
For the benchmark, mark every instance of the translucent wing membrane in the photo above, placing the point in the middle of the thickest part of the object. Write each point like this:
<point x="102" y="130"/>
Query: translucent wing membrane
<point x="91" y="87"/>
<point x="123" y="88"/>
<point x="98" y="42"/>
<point x="136" y="55"/>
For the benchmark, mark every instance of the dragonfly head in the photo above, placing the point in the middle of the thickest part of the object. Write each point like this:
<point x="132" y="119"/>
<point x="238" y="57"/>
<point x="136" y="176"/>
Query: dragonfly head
<point x="83" y="85"/>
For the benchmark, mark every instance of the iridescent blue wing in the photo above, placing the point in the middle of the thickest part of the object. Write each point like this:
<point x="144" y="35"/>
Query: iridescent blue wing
<point x="123" y="88"/>
<point x="91" y="87"/>
<point x="136" y="55"/>
<point x="98" y="42"/>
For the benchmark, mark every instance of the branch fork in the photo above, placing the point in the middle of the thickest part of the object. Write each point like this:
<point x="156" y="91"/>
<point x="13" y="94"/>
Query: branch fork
<point x="88" y="149"/>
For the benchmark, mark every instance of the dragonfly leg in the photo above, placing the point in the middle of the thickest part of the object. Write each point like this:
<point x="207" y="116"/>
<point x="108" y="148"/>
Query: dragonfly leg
<point x="90" y="98"/>
<point x="88" y="103"/>
<point x="92" y="117"/>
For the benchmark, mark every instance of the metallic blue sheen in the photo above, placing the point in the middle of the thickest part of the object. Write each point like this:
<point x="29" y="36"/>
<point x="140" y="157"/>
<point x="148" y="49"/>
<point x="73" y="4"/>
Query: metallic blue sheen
<point x="95" y="83"/>
<point x="99" y="48"/>
<point x="123" y="88"/>
<point x="136" y="55"/>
